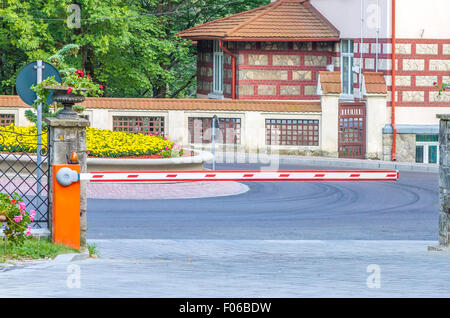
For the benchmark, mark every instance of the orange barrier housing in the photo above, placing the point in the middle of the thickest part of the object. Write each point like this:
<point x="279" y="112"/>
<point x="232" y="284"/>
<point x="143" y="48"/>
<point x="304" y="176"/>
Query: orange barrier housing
<point x="66" y="210"/>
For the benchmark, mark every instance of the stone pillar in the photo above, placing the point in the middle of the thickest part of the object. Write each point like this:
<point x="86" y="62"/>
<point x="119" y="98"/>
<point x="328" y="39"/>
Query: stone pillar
<point x="329" y="124"/>
<point x="444" y="180"/>
<point x="254" y="136"/>
<point x="67" y="136"/>
<point x="375" y="122"/>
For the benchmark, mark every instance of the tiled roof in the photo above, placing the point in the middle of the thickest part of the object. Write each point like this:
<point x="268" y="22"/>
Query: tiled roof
<point x="184" y="104"/>
<point x="290" y="20"/>
<point x="12" y="101"/>
<point x="374" y="83"/>
<point x="330" y="82"/>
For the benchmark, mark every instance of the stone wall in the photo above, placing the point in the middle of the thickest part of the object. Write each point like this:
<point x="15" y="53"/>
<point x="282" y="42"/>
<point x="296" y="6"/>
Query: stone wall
<point x="444" y="180"/>
<point x="282" y="70"/>
<point x="406" y="147"/>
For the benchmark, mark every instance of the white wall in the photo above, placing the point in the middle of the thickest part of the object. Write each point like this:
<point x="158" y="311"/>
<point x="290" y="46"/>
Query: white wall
<point x="417" y="115"/>
<point x="428" y="19"/>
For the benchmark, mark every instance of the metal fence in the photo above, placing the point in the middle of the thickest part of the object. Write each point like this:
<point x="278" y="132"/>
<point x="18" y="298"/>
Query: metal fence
<point x="25" y="172"/>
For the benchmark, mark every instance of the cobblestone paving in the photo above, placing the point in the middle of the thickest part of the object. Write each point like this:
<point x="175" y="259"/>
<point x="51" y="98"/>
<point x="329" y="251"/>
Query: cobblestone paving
<point x="240" y="268"/>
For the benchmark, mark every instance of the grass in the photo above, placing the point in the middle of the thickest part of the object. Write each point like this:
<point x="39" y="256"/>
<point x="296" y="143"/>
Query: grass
<point x="92" y="248"/>
<point x="33" y="248"/>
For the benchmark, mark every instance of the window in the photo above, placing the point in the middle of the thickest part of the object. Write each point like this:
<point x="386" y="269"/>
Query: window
<point x="139" y="124"/>
<point x="217" y="69"/>
<point x="292" y="132"/>
<point x="200" y="130"/>
<point x="6" y="119"/>
<point x="347" y="65"/>
<point x="427" y="149"/>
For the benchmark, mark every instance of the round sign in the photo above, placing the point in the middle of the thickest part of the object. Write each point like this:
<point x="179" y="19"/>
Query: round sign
<point x="27" y="77"/>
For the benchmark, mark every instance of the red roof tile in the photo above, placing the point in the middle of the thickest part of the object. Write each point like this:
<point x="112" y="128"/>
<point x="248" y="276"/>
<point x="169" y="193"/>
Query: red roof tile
<point x="330" y="82"/>
<point x="184" y="104"/>
<point x="375" y="83"/>
<point x="289" y="20"/>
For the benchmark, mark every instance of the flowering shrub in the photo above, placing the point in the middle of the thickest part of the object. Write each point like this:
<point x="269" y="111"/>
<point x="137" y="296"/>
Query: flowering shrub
<point x="28" y="140"/>
<point x="100" y="143"/>
<point x="106" y="143"/>
<point x="17" y="218"/>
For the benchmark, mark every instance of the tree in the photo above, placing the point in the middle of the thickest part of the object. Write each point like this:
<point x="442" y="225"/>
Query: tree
<point x="129" y="46"/>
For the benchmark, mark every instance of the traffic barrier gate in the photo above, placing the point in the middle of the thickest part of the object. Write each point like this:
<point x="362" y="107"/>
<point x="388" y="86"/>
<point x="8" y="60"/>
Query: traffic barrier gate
<point x="66" y="187"/>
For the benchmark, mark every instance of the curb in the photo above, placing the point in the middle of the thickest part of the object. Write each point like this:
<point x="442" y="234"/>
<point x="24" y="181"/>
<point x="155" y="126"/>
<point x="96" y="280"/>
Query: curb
<point x="266" y="159"/>
<point x="365" y="164"/>
<point x="439" y="248"/>
<point x="71" y="257"/>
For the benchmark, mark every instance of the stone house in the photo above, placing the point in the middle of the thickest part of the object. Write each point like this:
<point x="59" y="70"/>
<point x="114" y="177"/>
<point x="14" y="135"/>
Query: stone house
<point x="309" y="77"/>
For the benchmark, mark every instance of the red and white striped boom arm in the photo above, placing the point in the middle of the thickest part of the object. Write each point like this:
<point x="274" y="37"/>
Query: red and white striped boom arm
<point x="224" y="175"/>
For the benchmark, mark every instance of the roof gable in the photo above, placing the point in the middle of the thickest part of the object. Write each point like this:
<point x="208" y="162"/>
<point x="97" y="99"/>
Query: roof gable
<point x="289" y="20"/>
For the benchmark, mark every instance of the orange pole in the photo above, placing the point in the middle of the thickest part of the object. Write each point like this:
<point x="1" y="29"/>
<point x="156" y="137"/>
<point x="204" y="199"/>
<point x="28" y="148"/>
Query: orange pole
<point x="233" y="71"/>
<point x="394" y="128"/>
<point x="66" y="210"/>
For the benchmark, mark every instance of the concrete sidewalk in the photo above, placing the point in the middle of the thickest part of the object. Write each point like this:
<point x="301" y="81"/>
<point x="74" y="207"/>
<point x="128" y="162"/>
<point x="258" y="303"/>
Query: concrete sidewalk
<point x="237" y="268"/>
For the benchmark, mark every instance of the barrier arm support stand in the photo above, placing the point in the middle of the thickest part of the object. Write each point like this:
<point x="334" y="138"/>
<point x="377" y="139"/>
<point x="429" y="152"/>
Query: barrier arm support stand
<point x="66" y="205"/>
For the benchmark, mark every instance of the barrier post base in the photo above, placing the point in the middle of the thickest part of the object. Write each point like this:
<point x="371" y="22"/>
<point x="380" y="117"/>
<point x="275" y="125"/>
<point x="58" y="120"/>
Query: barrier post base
<point x="66" y="210"/>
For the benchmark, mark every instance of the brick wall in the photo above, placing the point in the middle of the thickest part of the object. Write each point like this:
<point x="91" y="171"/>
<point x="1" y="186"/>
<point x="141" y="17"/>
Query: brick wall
<point x="282" y="70"/>
<point x="268" y="70"/>
<point x="420" y="63"/>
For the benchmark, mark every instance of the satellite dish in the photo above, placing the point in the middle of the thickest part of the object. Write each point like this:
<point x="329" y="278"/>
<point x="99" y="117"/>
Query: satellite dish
<point x="27" y="77"/>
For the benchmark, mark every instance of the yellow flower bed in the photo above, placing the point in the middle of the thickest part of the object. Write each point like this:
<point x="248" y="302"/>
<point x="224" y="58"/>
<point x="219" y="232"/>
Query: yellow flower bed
<point x="100" y="142"/>
<point x="106" y="143"/>
<point x="19" y="138"/>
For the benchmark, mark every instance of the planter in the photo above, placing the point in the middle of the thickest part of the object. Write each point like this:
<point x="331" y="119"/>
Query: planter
<point x="60" y="95"/>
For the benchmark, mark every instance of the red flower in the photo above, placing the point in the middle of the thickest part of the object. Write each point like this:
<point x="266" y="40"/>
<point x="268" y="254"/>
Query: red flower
<point x="13" y="202"/>
<point x="101" y="87"/>
<point x="434" y="83"/>
<point x="89" y="76"/>
<point x="80" y="73"/>
<point x="69" y="90"/>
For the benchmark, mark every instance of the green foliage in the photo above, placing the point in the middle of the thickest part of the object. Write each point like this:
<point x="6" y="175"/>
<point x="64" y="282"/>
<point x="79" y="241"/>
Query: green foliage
<point x="76" y="83"/>
<point x="17" y="218"/>
<point x="442" y="87"/>
<point x="35" y="249"/>
<point x="93" y="251"/>
<point x="129" y="46"/>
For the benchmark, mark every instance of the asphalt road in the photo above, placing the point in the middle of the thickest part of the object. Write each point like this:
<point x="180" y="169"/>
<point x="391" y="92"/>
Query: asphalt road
<point x="403" y="210"/>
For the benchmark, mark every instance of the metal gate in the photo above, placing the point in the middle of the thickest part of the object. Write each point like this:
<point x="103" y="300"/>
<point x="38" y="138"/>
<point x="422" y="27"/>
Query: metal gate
<point x="352" y="130"/>
<point x="25" y="172"/>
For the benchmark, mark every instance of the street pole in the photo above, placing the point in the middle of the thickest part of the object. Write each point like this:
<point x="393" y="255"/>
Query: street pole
<point x="39" y="69"/>
<point x="213" y="135"/>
